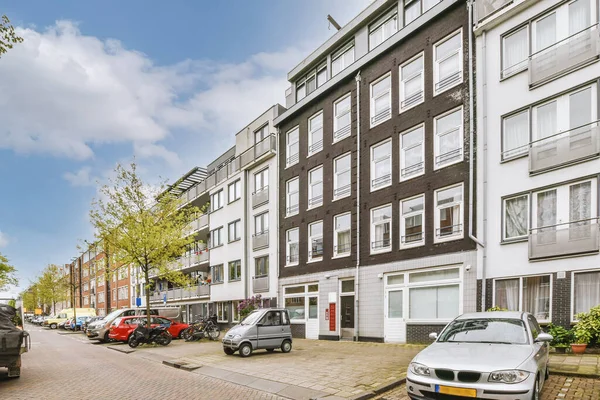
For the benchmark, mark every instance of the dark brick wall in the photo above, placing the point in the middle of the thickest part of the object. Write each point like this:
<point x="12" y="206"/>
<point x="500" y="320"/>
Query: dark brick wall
<point x="370" y="339"/>
<point x="420" y="333"/>
<point x="479" y="294"/>
<point x="420" y="41"/>
<point x="561" y="300"/>
<point x="298" y="331"/>
<point x="489" y="288"/>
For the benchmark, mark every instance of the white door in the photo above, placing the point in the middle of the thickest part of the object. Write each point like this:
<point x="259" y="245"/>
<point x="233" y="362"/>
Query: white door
<point x="312" y="322"/>
<point x="394" y="322"/>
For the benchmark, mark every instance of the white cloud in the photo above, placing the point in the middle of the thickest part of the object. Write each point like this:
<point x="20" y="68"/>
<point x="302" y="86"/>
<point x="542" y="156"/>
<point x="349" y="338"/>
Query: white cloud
<point x="3" y="239"/>
<point x="81" y="177"/>
<point x="64" y="93"/>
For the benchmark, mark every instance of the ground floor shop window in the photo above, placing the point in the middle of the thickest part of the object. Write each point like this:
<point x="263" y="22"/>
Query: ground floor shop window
<point x="586" y="291"/>
<point x="528" y="294"/>
<point x="302" y="302"/>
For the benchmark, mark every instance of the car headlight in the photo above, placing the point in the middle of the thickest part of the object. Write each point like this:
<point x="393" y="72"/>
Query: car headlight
<point x="237" y="336"/>
<point x="508" y="376"/>
<point x="419" y="369"/>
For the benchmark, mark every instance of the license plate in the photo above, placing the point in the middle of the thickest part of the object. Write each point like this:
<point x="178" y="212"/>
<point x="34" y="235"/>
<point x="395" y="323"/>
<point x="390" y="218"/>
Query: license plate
<point x="456" y="391"/>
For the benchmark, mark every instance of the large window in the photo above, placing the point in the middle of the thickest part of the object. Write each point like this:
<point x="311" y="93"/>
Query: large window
<point x="342" y="118"/>
<point x="342" y="58"/>
<point x="292" y="147"/>
<point x="342" y="177"/>
<point x="216" y="237"/>
<point x="586" y="291"/>
<point x="216" y="201"/>
<point x="311" y="81"/>
<point x="448" y="60"/>
<point x="381" y="165"/>
<point x="261" y="134"/>
<point x="235" y="190"/>
<point x="381" y="100"/>
<point x="261" y="180"/>
<point x="315" y="239"/>
<point x="515" y="135"/>
<point x="235" y="230"/>
<point x="412" y="153"/>
<point x="412" y="83"/>
<point x="515" y="51"/>
<point x="292" y="197"/>
<point x="292" y="246"/>
<point x="315" y="187"/>
<point x="414" y="8"/>
<point x="516" y="217"/>
<point x="217" y="273"/>
<point x="223" y="311"/>
<point x="315" y="134"/>
<point x="381" y="229"/>
<point x="235" y="270"/>
<point x="383" y="29"/>
<point x="341" y="235"/>
<point x="448" y="138"/>
<point x="261" y="266"/>
<point x="529" y="294"/>
<point x="302" y="302"/>
<point x="261" y="223"/>
<point x="449" y="213"/>
<point x="412" y="222"/>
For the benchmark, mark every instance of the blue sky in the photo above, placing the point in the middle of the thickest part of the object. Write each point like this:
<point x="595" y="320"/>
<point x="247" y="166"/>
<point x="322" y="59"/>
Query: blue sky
<point x="96" y="82"/>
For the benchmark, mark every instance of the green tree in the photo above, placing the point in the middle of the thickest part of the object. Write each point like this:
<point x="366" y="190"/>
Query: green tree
<point x="143" y="227"/>
<point x="53" y="285"/>
<point x="8" y="37"/>
<point x="30" y="298"/>
<point x="7" y="273"/>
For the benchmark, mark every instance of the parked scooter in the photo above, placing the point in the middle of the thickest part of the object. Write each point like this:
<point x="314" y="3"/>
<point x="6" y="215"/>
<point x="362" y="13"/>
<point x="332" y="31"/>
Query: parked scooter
<point x="143" y="335"/>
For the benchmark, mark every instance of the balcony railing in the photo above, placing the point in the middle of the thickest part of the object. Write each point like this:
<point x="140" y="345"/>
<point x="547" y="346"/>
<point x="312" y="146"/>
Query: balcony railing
<point x="342" y="249"/>
<point x="260" y="283"/>
<point x="315" y="147"/>
<point x="191" y="260"/>
<point x="342" y="191"/>
<point x="245" y="160"/>
<point x="412" y="99"/>
<point x="564" y="55"/>
<point x="177" y="294"/>
<point x="199" y="223"/>
<point x="342" y="133"/>
<point x="315" y="201"/>
<point x="564" y="147"/>
<point x="260" y="197"/>
<point x="292" y="259"/>
<point x="381" y="244"/>
<point x="578" y="237"/>
<point x="292" y="159"/>
<point x="381" y="181"/>
<point x="448" y="231"/>
<point x="488" y="7"/>
<point x="412" y="238"/>
<point x="293" y="209"/>
<point x="260" y="240"/>
<point x="383" y="115"/>
<point x="411" y="170"/>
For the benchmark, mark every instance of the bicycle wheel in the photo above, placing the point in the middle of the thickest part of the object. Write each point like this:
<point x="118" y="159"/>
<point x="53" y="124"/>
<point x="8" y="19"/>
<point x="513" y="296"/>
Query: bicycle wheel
<point x="186" y="334"/>
<point x="214" y="332"/>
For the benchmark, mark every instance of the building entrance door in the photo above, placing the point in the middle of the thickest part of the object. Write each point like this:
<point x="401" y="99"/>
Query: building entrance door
<point x="347" y="316"/>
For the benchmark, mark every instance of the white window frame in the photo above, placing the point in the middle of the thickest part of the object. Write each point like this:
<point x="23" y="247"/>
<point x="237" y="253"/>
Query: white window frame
<point x="372" y="224"/>
<point x="288" y="261"/>
<point x="386" y="115"/>
<point x="218" y="232"/>
<point x="341" y="192"/>
<point x="520" y="279"/>
<point x="317" y="146"/>
<point x="437" y="135"/>
<point x="313" y="202"/>
<point x="415" y="243"/>
<point x="378" y="26"/>
<point x="292" y="159"/>
<point x="461" y="211"/>
<point x="306" y="295"/>
<point x="237" y="191"/>
<point x="310" y="240"/>
<point x="573" y="273"/>
<point x="237" y="229"/>
<point x="263" y="224"/>
<point x="340" y="55"/>
<point x="267" y="265"/>
<point x="263" y="180"/>
<point x="385" y="183"/>
<point x="421" y="6"/>
<point x="238" y="267"/>
<point x="222" y="307"/>
<point x="416" y="98"/>
<point x="216" y="200"/>
<point x="519" y="151"/>
<point x="262" y="133"/>
<point x="336" y="253"/>
<point x="289" y="209"/>
<point x="213" y="274"/>
<point x="510" y="70"/>
<point x="403" y="167"/>
<point x="340" y="133"/>
<point x="436" y="78"/>
<point x="527" y="208"/>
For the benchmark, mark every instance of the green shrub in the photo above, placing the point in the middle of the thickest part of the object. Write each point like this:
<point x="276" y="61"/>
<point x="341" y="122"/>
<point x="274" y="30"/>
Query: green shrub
<point x="587" y="328"/>
<point x="561" y="337"/>
<point x="496" y="308"/>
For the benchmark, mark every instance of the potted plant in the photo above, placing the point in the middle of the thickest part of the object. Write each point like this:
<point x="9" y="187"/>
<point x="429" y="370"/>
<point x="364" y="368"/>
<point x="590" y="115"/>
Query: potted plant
<point x="562" y="338"/>
<point x="582" y="332"/>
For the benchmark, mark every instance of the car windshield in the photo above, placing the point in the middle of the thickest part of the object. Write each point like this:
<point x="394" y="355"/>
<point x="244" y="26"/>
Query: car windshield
<point x="113" y="314"/>
<point x="485" y="330"/>
<point x="252" y="318"/>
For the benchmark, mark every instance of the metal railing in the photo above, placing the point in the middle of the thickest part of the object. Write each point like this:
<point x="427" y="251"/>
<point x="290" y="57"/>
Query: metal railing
<point x="342" y="249"/>
<point x="260" y="240"/>
<point x="412" y="99"/>
<point x="316" y="252"/>
<point x="564" y="239"/>
<point x="176" y="294"/>
<point x="315" y="147"/>
<point x="448" y="81"/>
<point x="450" y="230"/>
<point x="292" y="258"/>
<point x="486" y="8"/>
<point x="381" y="181"/>
<point x="260" y="283"/>
<point x="448" y="157"/>
<point x="293" y="159"/>
<point x="342" y="133"/>
<point x="315" y="201"/>
<point x="342" y="191"/>
<point x="199" y="223"/>
<point x="381" y="244"/>
<point x="260" y="197"/>
<point x="412" y="170"/>
<point x="381" y="116"/>
<point x="412" y="238"/>
<point x="563" y="55"/>
<point x="292" y="209"/>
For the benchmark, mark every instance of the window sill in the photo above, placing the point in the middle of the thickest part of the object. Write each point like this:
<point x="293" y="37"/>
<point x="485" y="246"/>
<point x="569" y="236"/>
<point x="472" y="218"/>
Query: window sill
<point x="403" y="110"/>
<point x="448" y="88"/>
<point x="313" y="153"/>
<point x="291" y="265"/>
<point x="503" y="78"/>
<point x="513" y="158"/>
<point x="314" y="260"/>
<point x="216" y="247"/>
<point x="371" y="126"/>
<point x="345" y="255"/>
<point x="234" y="240"/>
<point x="216" y="209"/>
<point x="216" y="283"/>
<point x="442" y="166"/>
<point x="380" y="187"/>
<point x="411" y="177"/>
<point x="341" y="139"/>
<point x="315" y="206"/>
<point x="233" y="201"/>
<point x="235" y="280"/>
<point x="290" y="165"/>
<point x="340" y="197"/>
<point x="516" y="240"/>
<point x="448" y="239"/>
<point x="291" y="215"/>
<point x="411" y="246"/>
<point x="374" y="252"/>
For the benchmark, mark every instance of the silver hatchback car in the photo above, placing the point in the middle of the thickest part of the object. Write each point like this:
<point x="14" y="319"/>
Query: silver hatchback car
<point x="488" y="355"/>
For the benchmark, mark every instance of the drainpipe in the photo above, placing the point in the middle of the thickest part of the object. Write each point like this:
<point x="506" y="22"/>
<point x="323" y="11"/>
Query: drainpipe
<point x="277" y="249"/>
<point x="485" y="171"/>
<point x="246" y="233"/>
<point x="356" y="284"/>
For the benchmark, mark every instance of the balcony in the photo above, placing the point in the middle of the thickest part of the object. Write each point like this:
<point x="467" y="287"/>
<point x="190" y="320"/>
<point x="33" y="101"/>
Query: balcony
<point x="260" y="283"/>
<point x="488" y="7"/>
<point x="564" y="148"/>
<point x="177" y="294"/>
<point x="578" y="237"/>
<point x="572" y="52"/>
<point x="260" y="197"/>
<point x="256" y="152"/>
<point x="199" y="223"/>
<point x="260" y="240"/>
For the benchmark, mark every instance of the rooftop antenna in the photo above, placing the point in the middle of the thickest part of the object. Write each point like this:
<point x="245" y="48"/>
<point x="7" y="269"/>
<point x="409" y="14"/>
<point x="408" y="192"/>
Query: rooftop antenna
<point x="333" y="22"/>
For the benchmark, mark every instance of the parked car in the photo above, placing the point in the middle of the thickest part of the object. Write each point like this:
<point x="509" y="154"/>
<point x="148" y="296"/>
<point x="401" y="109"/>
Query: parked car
<point x="90" y="321"/>
<point x="488" y="355"/>
<point x="267" y="328"/>
<point x="67" y="313"/>
<point x="66" y="324"/>
<point x="76" y="325"/>
<point x="122" y="327"/>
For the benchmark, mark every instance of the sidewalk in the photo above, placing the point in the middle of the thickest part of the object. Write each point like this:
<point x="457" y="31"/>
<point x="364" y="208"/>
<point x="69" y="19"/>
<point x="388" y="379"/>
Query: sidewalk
<point x="584" y="365"/>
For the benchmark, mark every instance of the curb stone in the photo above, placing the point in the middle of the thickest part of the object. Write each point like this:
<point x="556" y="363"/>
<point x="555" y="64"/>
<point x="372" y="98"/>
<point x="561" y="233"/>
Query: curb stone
<point x="574" y="374"/>
<point x="379" y="390"/>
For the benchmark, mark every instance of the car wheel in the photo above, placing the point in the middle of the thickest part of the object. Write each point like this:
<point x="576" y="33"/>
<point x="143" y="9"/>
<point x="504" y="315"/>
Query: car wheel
<point x="52" y="326"/>
<point x="536" y="389"/>
<point x="228" y="351"/>
<point x="245" y="350"/>
<point x="107" y="339"/>
<point x="286" y="346"/>
<point x="133" y="343"/>
<point x="547" y="374"/>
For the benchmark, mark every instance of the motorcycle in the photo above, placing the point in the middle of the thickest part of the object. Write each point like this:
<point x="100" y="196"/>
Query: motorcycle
<point x="143" y="335"/>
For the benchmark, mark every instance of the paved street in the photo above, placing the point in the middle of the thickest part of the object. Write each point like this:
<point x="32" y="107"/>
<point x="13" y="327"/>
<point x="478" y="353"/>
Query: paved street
<point x="64" y="366"/>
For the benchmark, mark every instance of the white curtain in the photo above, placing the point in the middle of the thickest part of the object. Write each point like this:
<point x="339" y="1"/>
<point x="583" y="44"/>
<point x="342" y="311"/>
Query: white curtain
<point x="515" y="51"/>
<point x="580" y="203"/>
<point x="545" y="32"/>
<point x="516" y="134"/>
<point x="546" y="120"/>
<point x="412" y="11"/>
<point x="579" y="16"/>
<point x="507" y="294"/>
<point x="587" y="291"/>
<point x="536" y="296"/>
<point x="516" y="217"/>
<point x="546" y="216"/>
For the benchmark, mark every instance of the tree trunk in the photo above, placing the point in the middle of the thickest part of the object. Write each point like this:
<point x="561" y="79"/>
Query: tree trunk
<point x="147" y="283"/>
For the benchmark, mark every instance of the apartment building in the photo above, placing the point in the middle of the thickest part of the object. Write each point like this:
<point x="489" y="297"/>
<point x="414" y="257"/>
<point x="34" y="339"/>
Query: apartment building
<point x="375" y="194"/>
<point x="537" y="108"/>
<point x="234" y="245"/>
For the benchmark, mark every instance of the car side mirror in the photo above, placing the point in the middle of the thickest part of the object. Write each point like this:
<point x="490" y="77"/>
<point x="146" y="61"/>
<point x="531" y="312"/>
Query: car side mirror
<point x="259" y="324"/>
<point x="433" y="336"/>
<point x="544" y="337"/>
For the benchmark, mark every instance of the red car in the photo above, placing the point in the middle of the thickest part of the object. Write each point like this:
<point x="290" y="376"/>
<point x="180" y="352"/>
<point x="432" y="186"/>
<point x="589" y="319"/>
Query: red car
<point x="122" y="327"/>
